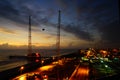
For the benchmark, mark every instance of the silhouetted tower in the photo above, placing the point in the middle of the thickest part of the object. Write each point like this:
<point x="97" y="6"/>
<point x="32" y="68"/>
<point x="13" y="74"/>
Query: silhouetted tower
<point x="58" y="41"/>
<point x="58" y="34"/>
<point x="29" y="38"/>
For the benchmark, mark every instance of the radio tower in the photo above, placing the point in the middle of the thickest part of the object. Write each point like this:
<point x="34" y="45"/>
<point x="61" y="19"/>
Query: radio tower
<point x="58" y="42"/>
<point x="29" y="38"/>
<point x="58" y="34"/>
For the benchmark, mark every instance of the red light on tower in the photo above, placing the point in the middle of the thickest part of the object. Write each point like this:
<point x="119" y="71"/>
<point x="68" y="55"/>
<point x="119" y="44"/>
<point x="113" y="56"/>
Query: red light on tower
<point x="36" y="60"/>
<point x="37" y="55"/>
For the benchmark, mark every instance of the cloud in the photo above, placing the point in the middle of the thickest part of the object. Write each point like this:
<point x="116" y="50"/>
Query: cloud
<point x="90" y="16"/>
<point x="78" y="32"/>
<point x="103" y="15"/>
<point x="8" y="10"/>
<point x="35" y="46"/>
<point x="20" y="12"/>
<point x="85" y="14"/>
<point x="110" y="32"/>
<point x="8" y="31"/>
<point x="7" y="46"/>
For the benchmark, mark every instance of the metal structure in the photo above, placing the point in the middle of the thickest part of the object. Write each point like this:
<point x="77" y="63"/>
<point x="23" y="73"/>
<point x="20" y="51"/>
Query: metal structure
<point x="58" y="34"/>
<point x="58" y="42"/>
<point x="29" y="38"/>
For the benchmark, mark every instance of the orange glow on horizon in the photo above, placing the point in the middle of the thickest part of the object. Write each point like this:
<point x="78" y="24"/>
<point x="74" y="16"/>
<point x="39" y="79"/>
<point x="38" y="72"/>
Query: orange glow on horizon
<point x="18" y="38"/>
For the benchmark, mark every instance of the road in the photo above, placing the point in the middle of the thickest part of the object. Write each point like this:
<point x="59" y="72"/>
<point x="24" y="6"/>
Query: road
<point x="80" y="73"/>
<point x="59" y="70"/>
<point x="36" y="74"/>
<point x="69" y="69"/>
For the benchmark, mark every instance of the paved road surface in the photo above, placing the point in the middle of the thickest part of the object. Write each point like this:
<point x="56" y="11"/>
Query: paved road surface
<point x="80" y="73"/>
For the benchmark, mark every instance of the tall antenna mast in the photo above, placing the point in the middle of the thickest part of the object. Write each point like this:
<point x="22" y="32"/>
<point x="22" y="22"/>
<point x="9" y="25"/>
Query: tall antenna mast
<point x="29" y="37"/>
<point x="58" y="41"/>
<point x="58" y="34"/>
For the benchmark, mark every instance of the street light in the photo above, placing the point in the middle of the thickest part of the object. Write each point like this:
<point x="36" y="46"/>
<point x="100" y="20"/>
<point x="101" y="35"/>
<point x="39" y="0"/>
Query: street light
<point x="42" y="62"/>
<point x="21" y="69"/>
<point x="106" y="66"/>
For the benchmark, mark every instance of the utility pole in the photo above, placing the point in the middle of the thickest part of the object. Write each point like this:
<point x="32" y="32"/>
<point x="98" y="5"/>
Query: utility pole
<point x="29" y="37"/>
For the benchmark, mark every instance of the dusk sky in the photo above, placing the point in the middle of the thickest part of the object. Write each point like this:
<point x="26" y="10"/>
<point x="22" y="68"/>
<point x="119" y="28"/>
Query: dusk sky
<point x="84" y="23"/>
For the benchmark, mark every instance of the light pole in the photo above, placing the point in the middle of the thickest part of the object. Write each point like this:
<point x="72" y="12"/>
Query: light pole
<point x="21" y="69"/>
